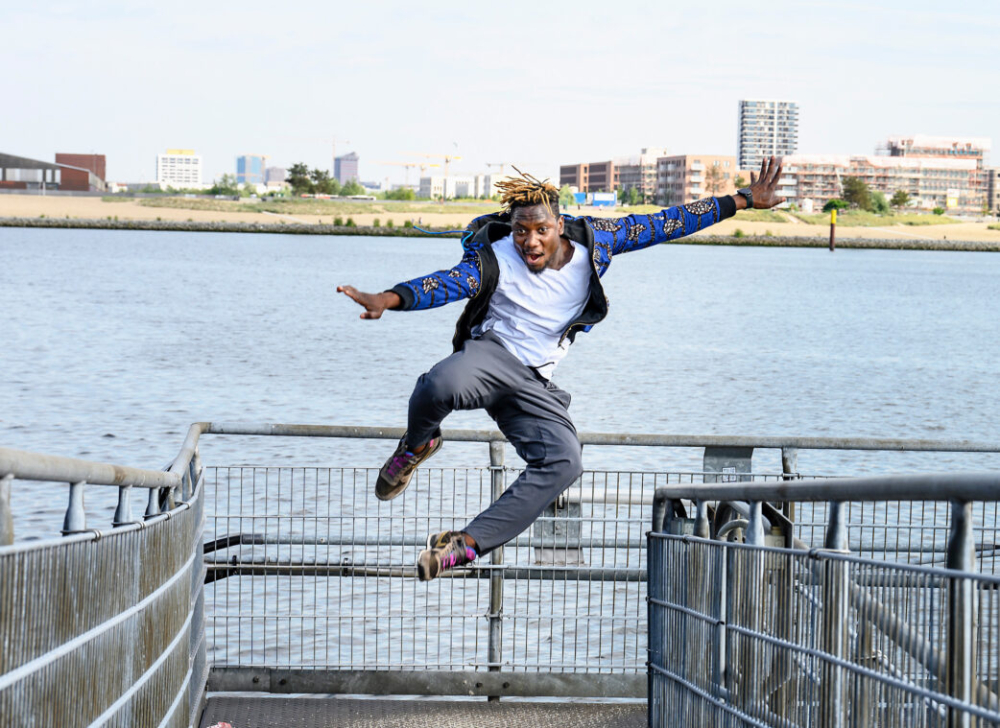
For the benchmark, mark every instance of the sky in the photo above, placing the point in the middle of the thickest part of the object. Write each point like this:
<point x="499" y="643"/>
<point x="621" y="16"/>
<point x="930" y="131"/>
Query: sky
<point x="529" y="83"/>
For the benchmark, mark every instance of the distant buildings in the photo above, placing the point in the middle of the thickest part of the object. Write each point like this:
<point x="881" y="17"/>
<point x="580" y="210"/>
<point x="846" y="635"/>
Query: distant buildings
<point x="637" y="172"/>
<point x="766" y="128"/>
<point x="640" y="172"/>
<point x="22" y="173"/>
<point x="688" y="177"/>
<point x="178" y="168"/>
<point x="590" y="176"/>
<point x="80" y="169"/>
<point x="345" y="168"/>
<point x="250" y="169"/>
<point x="993" y="190"/>
<point x="478" y="186"/>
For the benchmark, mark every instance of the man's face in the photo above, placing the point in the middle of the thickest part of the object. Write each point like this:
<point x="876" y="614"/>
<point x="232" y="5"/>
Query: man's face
<point x="537" y="236"/>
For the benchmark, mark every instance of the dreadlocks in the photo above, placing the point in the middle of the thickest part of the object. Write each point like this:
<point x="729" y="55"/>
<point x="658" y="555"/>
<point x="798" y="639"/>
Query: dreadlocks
<point x="528" y="191"/>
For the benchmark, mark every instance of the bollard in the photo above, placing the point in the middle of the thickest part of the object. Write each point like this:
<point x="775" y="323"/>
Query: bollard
<point x="123" y="513"/>
<point x="833" y="228"/>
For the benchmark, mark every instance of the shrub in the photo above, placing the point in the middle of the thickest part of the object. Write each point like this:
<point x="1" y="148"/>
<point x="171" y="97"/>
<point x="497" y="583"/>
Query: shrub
<point x="376" y="223"/>
<point x="350" y="222"/>
<point x="43" y="215"/>
<point x="938" y="210"/>
<point x="880" y="205"/>
<point x="408" y="224"/>
<point x="836" y="204"/>
<point x="389" y="223"/>
<point x="768" y="234"/>
<point x="338" y="221"/>
<point x="737" y="233"/>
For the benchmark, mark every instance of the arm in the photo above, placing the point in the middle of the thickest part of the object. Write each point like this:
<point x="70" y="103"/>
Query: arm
<point x="636" y="232"/>
<point x="430" y="291"/>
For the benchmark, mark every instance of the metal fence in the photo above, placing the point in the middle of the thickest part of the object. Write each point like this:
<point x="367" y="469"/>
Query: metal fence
<point x="105" y="626"/>
<point x="746" y="634"/>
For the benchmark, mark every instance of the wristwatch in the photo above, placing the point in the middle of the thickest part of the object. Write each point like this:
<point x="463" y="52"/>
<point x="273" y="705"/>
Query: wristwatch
<point x="745" y="191"/>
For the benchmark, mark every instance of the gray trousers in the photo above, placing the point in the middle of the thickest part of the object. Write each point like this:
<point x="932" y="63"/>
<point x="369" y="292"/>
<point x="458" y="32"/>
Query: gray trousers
<point x="530" y="412"/>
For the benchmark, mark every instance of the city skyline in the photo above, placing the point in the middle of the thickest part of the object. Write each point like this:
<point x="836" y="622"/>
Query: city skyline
<point x="482" y="85"/>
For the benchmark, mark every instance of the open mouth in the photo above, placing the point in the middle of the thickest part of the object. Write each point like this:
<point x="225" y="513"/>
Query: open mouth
<point x="533" y="258"/>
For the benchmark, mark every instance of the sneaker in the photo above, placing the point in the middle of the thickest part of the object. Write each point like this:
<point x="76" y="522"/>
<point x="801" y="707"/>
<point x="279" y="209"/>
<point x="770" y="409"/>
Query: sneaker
<point x="444" y="551"/>
<point x="396" y="473"/>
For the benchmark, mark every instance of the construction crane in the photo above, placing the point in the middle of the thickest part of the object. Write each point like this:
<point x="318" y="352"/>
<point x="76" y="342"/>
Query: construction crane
<point x="448" y="158"/>
<point x="501" y="165"/>
<point x="424" y="166"/>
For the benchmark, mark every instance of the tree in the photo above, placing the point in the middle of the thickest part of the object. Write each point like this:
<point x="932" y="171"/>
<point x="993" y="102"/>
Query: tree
<point x="351" y="187"/>
<point x="566" y="198"/>
<point x="899" y="198"/>
<point x="835" y="204"/>
<point x="633" y="196"/>
<point x="322" y="183"/>
<point x="857" y="193"/>
<point x="740" y="181"/>
<point x="879" y="203"/>
<point x="403" y="193"/>
<point x="298" y="179"/>
<point x="714" y="180"/>
<point x="225" y="185"/>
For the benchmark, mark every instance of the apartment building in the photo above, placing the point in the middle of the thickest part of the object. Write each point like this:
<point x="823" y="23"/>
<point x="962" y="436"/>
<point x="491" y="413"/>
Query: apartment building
<point x="178" y="168"/>
<point x="766" y="128"/>
<point x="640" y="172"/>
<point x="951" y="183"/>
<point x="590" y="176"/>
<point x="688" y="177"/>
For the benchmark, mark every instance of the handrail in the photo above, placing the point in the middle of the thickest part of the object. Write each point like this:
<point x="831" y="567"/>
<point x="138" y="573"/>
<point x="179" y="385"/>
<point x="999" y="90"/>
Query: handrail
<point x="604" y="438"/>
<point x="925" y="486"/>
<point x="25" y="465"/>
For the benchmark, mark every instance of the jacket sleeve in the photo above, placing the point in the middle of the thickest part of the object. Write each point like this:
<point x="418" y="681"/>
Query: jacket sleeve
<point x="443" y="286"/>
<point x="635" y="232"/>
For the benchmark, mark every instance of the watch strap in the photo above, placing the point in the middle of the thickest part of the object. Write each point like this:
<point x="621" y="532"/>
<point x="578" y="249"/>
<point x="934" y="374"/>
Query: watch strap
<point x="745" y="191"/>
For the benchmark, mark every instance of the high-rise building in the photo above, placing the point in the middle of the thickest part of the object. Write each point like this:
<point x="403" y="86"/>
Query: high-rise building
<point x="250" y="169"/>
<point x="345" y="168"/>
<point x="688" y="177"/>
<point x="766" y="128"/>
<point x="178" y="168"/>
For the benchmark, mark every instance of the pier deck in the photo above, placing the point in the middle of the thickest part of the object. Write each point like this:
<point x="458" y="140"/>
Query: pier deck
<point x="281" y="712"/>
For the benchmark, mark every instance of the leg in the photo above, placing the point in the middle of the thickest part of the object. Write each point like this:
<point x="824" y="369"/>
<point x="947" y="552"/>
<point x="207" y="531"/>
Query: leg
<point x="537" y="424"/>
<point x="475" y="377"/>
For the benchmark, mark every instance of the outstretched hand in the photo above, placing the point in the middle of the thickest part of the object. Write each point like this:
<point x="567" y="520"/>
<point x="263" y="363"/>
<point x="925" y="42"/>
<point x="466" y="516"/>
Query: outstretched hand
<point x="763" y="186"/>
<point x="374" y="303"/>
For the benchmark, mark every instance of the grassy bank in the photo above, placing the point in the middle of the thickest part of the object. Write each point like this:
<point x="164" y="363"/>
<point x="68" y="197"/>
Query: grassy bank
<point x="319" y="207"/>
<point x="860" y="218"/>
<point x="324" y="229"/>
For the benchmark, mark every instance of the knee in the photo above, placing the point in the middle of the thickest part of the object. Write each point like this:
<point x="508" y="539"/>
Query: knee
<point x="571" y="458"/>
<point x="434" y="387"/>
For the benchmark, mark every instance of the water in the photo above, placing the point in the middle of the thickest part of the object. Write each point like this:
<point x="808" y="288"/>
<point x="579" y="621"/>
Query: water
<point x="114" y="342"/>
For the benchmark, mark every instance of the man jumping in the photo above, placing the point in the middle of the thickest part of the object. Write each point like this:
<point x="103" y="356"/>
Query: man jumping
<point x="533" y="277"/>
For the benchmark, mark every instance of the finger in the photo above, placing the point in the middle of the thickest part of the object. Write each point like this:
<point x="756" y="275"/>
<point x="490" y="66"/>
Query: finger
<point x="753" y="179"/>
<point x="763" y="170"/>
<point x="371" y="315"/>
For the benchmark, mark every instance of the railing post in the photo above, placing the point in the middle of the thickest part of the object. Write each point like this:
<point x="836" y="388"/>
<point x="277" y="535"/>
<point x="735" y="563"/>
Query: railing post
<point x="836" y="604"/>
<point x="701" y="527"/>
<point x="789" y="471"/>
<point x="76" y="517"/>
<point x="961" y="614"/>
<point x="6" y="515"/>
<point x="495" y="645"/>
<point x="123" y="512"/>
<point x="153" y="505"/>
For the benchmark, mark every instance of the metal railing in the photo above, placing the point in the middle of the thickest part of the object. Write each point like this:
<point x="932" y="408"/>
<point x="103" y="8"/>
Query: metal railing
<point x="104" y="627"/>
<point x="309" y="581"/>
<point x="801" y="634"/>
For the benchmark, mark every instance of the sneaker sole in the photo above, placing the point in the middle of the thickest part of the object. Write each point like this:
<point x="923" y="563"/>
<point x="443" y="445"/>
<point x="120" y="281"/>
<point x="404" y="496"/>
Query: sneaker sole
<point x="426" y="566"/>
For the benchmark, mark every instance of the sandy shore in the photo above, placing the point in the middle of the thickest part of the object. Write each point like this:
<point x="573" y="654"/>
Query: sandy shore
<point x="94" y="208"/>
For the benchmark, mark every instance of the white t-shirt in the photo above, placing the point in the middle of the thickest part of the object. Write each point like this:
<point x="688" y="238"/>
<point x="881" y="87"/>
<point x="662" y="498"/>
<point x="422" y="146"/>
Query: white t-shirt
<point x="529" y="311"/>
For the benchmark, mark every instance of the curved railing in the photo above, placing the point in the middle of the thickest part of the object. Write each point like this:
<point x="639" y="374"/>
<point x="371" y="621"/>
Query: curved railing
<point x="106" y="625"/>
<point x="800" y="636"/>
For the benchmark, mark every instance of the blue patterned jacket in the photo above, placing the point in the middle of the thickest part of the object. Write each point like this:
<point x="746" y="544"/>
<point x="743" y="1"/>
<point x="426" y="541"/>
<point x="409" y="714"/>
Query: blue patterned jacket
<point x="476" y="275"/>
